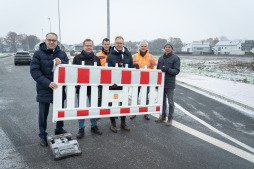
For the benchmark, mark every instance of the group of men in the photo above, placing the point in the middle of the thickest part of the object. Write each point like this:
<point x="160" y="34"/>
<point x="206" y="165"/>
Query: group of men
<point x="49" y="51"/>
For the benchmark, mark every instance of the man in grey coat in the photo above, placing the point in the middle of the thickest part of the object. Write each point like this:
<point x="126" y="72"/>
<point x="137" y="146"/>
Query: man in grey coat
<point x="170" y="64"/>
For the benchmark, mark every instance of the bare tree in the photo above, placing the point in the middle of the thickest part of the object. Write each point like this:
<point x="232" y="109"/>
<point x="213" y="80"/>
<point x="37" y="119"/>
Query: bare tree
<point x="157" y="45"/>
<point x="177" y="43"/>
<point x="12" y="39"/>
<point x="2" y="45"/>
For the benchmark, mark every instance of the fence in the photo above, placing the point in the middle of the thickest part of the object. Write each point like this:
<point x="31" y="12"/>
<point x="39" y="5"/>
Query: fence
<point x="113" y="102"/>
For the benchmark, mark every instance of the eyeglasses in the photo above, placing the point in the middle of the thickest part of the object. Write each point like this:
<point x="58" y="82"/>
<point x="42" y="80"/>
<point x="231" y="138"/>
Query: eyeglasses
<point x="88" y="46"/>
<point x="119" y="43"/>
<point x="51" y="40"/>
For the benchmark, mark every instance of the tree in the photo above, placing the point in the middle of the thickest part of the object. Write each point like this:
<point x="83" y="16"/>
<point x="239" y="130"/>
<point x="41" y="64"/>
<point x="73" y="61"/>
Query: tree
<point x="2" y="44"/>
<point x="32" y="41"/>
<point x="177" y="43"/>
<point x="157" y="45"/>
<point x="12" y="39"/>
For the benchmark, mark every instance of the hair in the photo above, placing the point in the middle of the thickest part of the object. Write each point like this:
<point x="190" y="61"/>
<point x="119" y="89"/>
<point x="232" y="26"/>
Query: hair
<point x="143" y="42"/>
<point x="119" y="37"/>
<point x="87" y="40"/>
<point x="105" y="39"/>
<point x="52" y="33"/>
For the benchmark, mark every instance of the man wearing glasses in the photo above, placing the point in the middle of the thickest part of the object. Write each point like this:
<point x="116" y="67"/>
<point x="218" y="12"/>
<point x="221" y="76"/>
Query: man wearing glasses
<point x="41" y="71"/>
<point x="121" y="56"/>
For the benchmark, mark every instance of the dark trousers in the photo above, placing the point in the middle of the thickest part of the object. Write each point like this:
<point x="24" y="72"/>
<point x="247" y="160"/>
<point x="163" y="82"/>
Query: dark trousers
<point x="113" y="119"/>
<point x="43" y="115"/>
<point x="168" y="93"/>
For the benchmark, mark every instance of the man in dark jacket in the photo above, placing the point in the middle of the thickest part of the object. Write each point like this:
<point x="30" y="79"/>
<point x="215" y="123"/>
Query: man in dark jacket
<point x="121" y="56"/>
<point x="89" y="58"/>
<point x="170" y="64"/>
<point x="41" y="71"/>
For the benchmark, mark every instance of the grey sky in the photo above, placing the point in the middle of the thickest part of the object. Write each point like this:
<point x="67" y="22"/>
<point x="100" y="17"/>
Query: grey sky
<point x="135" y="20"/>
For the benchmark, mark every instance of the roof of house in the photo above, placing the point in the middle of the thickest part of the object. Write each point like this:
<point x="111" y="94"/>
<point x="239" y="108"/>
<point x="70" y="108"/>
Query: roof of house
<point x="228" y="43"/>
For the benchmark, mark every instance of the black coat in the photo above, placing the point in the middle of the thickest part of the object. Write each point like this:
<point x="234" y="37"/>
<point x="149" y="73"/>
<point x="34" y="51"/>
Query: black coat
<point x="172" y="62"/>
<point x="77" y="60"/>
<point x="112" y="58"/>
<point x="41" y="71"/>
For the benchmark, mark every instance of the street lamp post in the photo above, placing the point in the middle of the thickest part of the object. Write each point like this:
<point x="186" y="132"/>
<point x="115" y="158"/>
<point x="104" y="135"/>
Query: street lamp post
<point x="49" y="24"/>
<point x="108" y="20"/>
<point x="59" y="25"/>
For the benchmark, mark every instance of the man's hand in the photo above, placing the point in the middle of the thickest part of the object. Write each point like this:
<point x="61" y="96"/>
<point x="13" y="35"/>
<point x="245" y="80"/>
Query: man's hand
<point x="53" y="85"/>
<point x="58" y="61"/>
<point x="164" y="69"/>
<point x="136" y="66"/>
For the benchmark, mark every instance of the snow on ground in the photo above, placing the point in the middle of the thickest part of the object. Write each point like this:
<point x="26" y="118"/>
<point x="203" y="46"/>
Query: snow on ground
<point x="229" y="90"/>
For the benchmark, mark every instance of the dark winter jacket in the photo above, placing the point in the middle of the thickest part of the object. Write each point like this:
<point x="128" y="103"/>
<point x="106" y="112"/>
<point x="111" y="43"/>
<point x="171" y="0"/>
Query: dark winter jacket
<point x="114" y="55"/>
<point x="89" y="60"/>
<point x="41" y="71"/>
<point x="172" y="62"/>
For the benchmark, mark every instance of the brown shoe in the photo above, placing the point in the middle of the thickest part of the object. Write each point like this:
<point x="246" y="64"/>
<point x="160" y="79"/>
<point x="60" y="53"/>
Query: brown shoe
<point x="113" y="127"/>
<point x="160" y="120"/>
<point x="169" y="122"/>
<point x="125" y="127"/>
<point x="132" y="117"/>
<point x="146" y="117"/>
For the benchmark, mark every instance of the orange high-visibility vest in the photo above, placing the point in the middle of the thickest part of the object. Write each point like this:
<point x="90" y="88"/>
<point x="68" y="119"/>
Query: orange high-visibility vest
<point x="148" y="60"/>
<point x="103" y="57"/>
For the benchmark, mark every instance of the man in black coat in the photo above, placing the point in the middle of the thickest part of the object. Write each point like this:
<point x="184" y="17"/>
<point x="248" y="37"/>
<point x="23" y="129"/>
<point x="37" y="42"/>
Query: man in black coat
<point x="89" y="58"/>
<point x="121" y="56"/>
<point x="170" y="64"/>
<point x="41" y="70"/>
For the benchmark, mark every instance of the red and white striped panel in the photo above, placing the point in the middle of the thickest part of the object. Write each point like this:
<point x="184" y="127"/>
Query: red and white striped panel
<point x="110" y="111"/>
<point x="97" y="75"/>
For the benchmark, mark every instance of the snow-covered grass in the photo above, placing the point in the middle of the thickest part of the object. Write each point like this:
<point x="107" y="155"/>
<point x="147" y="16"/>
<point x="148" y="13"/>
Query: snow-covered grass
<point x="234" y="68"/>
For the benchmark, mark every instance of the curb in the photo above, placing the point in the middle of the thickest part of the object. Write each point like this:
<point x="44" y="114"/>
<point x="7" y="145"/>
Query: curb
<point x="217" y="95"/>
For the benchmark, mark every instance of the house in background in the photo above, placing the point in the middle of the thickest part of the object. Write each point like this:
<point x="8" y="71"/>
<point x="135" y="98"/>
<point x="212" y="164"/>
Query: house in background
<point x="247" y="46"/>
<point x="228" y="48"/>
<point x="197" y="48"/>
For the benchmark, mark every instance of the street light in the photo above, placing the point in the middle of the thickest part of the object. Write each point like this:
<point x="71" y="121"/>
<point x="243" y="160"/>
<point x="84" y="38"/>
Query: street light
<point x="49" y="24"/>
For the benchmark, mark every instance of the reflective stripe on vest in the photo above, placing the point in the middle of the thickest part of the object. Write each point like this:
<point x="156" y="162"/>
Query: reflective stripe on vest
<point x="101" y="57"/>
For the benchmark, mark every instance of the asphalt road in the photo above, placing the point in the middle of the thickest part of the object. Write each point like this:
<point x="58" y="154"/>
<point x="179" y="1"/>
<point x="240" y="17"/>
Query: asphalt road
<point x="187" y="144"/>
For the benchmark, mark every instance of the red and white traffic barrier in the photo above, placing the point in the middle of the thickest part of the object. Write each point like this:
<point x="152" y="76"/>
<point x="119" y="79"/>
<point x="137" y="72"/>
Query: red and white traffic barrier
<point x="120" y="102"/>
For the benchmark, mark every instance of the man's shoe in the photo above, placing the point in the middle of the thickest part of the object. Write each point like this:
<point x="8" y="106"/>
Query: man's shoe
<point x="125" y="127"/>
<point x="81" y="133"/>
<point x="113" y="127"/>
<point x="96" y="130"/>
<point x="160" y="120"/>
<point x="169" y="122"/>
<point x="132" y="117"/>
<point x="43" y="142"/>
<point x="60" y="132"/>
<point x="146" y="117"/>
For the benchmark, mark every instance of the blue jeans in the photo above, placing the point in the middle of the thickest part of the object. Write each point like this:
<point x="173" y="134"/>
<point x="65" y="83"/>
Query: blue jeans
<point x="43" y="115"/>
<point x="81" y="122"/>
<point x="168" y="93"/>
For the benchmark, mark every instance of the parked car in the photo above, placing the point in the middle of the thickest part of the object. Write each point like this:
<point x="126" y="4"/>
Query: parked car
<point x="22" y="57"/>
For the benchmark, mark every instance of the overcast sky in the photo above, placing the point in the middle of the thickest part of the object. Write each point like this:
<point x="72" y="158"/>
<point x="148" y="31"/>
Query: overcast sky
<point x="135" y="20"/>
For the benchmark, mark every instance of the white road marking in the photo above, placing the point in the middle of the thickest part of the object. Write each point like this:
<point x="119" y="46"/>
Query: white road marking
<point x="215" y="130"/>
<point x="225" y="146"/>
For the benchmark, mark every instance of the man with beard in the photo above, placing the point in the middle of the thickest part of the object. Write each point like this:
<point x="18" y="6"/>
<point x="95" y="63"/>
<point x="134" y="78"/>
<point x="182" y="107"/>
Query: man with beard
<point x="170" y="64"/>
<point x="121" y="56"/>
<point x="89" y="58"/>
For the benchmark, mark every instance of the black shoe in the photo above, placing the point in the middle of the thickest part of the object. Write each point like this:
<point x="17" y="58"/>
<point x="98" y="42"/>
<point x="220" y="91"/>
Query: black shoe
<point x="43" y="142"/>
<point x="60" y="132"/>
<point x="96" y="130"/>
<point x="81" y="133"/>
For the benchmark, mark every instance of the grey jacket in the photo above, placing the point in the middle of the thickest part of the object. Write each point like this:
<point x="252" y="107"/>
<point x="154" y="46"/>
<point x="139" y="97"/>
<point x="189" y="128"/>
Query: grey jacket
<point x="172" y="62"/>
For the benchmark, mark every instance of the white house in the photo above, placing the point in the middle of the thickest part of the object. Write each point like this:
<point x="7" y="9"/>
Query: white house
<point x="197" y="48"/>
<point x="228" y="48"/>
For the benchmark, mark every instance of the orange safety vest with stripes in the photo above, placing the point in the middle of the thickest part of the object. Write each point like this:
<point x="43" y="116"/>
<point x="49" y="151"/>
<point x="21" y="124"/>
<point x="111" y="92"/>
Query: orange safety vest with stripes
<point x="148" y="60"/>
<point x="103" y="57"/>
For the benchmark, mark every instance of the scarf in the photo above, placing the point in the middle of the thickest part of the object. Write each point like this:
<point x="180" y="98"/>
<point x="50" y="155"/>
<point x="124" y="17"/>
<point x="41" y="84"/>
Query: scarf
<point x="120" y="57"/>
<point x="84" y="55"/>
